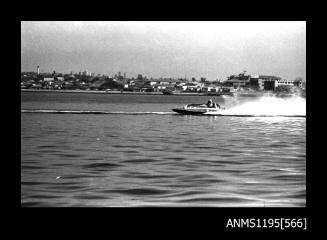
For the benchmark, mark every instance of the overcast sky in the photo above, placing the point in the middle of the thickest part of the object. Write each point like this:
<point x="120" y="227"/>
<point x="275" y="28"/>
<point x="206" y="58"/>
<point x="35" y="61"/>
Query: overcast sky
<point x="166" y="49"/>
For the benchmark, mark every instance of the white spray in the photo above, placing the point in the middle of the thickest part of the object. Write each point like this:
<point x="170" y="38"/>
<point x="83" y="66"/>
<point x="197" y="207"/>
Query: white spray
<point x="269" y="105"/>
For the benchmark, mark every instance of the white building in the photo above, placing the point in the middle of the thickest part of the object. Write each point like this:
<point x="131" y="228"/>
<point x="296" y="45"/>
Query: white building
<point x="152" y="83"/>
<point x="192" y="87"/>
<point x="284" y="82"/>
<point x="210" y="89"/>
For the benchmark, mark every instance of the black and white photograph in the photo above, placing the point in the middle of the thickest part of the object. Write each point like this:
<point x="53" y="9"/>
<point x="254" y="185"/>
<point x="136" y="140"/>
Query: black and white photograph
<point x="125" y="114"/>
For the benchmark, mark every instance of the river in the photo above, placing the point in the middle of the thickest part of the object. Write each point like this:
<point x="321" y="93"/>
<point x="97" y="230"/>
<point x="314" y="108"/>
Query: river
<point x="132" y="150"/>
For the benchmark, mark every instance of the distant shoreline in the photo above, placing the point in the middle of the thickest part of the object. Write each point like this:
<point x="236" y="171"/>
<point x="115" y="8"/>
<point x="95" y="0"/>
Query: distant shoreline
<point x="115" y="92"/>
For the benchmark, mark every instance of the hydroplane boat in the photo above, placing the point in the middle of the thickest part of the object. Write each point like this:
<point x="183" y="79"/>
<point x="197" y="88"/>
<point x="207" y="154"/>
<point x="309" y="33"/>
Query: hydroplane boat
<point x="198" y="109"/>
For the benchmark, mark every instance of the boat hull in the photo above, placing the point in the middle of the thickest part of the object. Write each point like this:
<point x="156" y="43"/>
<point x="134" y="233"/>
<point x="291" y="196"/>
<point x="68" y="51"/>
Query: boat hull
<point x="194" y="111"/>
<point x="190" y="111"/>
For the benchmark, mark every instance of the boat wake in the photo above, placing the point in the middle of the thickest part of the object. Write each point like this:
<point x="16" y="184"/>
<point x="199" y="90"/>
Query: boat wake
<point x="253" y="115"/>
<point x="88" y="112"/>
<point x="221" y="113"/>
<point x="267" y="105"/>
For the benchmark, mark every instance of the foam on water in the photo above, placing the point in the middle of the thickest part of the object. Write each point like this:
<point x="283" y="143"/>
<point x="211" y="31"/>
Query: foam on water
<point x="268" y="105"/>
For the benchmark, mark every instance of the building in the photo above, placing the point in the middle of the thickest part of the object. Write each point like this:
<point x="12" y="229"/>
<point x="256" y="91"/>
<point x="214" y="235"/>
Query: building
<point x="48" y="79"/>
<point x="210" y="88"/>
<point x="255" y="83"/>
<point x="291" y="85"/>
<point x="192" y="87"/>
<point x="298" y="82"/>
<point x="259" y="82"/>
<point x="284" y="82"/>
<point x="227" y="89"/>
<point x="86" y="73"/>
<point x="152" y="83"/>
<point x="236" y="81"/>
<point x="266" y="82"/>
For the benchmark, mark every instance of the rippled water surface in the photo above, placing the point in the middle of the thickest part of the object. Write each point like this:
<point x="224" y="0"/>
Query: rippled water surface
<point x="139" y="153"/>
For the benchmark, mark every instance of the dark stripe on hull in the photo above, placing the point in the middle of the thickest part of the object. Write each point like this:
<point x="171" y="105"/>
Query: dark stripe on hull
<point x="189" y="112"/>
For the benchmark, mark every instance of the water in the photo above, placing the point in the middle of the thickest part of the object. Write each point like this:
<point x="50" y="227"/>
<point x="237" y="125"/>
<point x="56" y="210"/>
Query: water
<point x="131" y="150"/>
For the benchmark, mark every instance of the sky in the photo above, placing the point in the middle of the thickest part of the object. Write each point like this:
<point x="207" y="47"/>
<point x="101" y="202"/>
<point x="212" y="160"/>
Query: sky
<point x="157" y="49"/>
